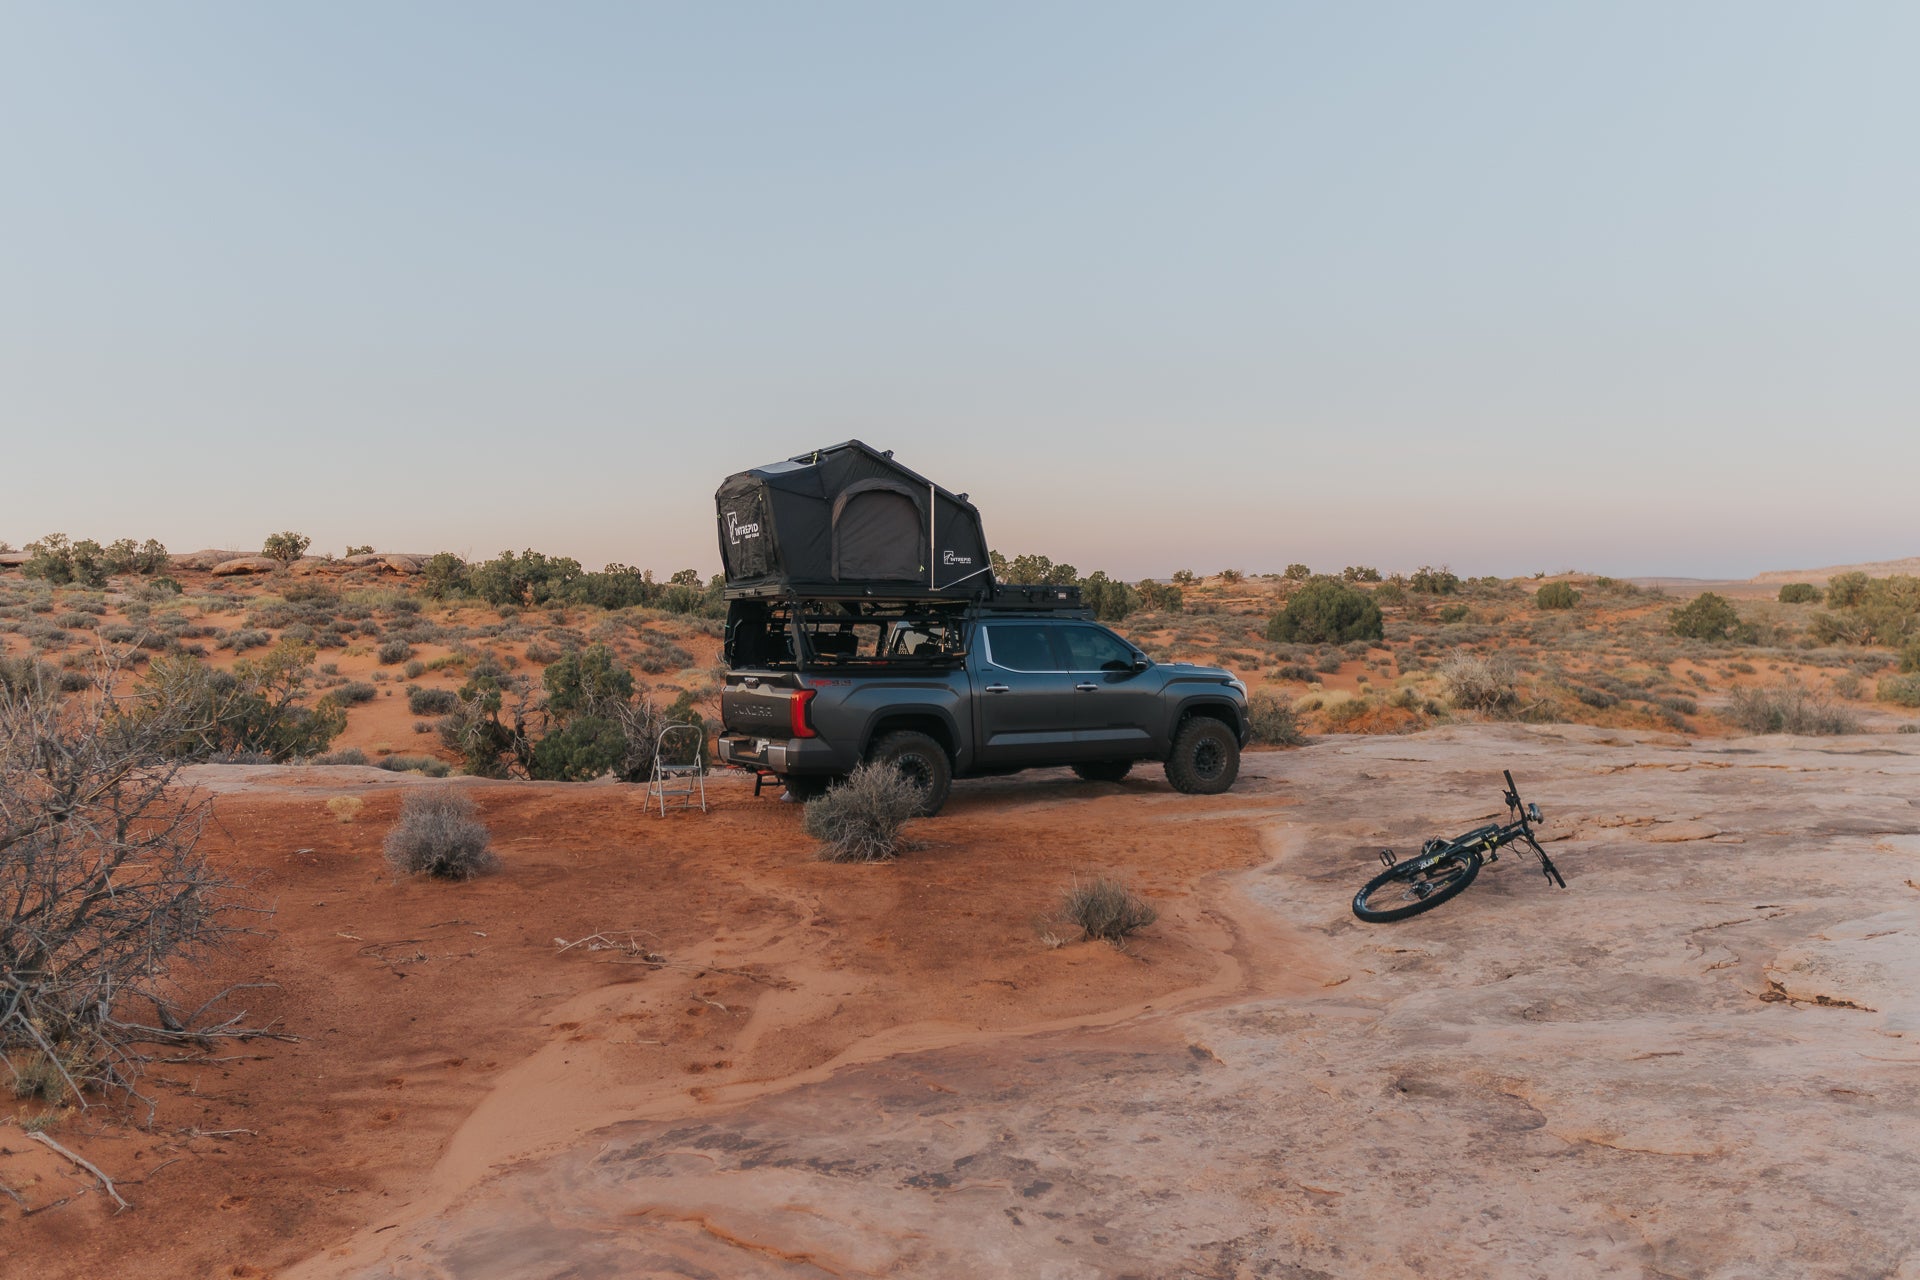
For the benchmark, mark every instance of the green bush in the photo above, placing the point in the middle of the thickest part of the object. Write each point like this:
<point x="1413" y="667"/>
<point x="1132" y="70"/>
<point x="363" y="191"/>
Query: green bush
<point x="583" y="681"/>
<point x="580" y="750"/>
<point x="428" y="765"/>
<point x="1031" y="570"/>
<point x="58" y="561"/>
<point x="1297" y="573"/>
<point x="1710" y="617"/>
<point x="1160" y="596"/>
<point x="1360" y="573"/>
<point x="395" y="651"/>
<point x="1845" y="590"/>
<point x="1327" y="611"/>
<point x="1390" y="592"/>
<point x="1110" y="600"/>
<point x="1434" y="582"/>
<point x="1455" y="612"/>
<point x="1556" y="595"/>
<point x="286" y="547"/>
<point x="443" y="575"/>
<point x="1271" y="721"/>
<point x="255" y="708"/>
<point x="1799" y="593"/>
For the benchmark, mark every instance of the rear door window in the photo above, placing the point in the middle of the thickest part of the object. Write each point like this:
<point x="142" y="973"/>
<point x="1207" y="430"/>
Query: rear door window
<point x="1020" y="648"/>
<point x="1092" y="649"/>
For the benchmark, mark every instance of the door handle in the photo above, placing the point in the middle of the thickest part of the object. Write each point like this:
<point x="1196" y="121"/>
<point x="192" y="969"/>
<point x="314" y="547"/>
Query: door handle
<point x="1086" y="688"/>
<point x="996" y="688"/>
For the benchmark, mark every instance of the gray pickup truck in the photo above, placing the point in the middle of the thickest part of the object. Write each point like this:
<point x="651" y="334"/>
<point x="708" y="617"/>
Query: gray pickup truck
<point x="943" y="692"/>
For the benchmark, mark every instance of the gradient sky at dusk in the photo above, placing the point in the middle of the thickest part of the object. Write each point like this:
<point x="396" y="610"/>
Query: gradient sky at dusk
<point x="1514" y="287"/>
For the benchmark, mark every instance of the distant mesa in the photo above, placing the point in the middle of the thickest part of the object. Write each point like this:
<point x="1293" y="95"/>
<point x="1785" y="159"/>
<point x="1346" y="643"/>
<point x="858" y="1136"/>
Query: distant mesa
<point x="1873" y="569"/>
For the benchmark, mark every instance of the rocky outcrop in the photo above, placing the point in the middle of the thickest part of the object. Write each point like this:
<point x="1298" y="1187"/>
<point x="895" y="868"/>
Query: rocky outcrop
<point x="245" y="564"/>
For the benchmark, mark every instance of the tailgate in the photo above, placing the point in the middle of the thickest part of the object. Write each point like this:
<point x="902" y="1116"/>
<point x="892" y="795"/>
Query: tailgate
<point x="764" y="704"/>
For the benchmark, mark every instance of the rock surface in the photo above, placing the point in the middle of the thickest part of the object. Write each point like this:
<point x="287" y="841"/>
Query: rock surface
<point x="245" y="564"/>
<point x="1699" y="1059"/>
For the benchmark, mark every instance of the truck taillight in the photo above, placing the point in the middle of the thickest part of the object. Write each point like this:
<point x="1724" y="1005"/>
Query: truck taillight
<point x="802" y="722"/>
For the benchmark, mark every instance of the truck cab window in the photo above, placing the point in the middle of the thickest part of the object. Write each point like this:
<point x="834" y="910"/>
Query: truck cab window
<point x="1092" y="648"/>
<point x="1020" y="648"/>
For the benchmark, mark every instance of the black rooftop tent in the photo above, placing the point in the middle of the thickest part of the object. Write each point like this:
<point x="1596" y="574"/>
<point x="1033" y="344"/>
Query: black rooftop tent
<point x="849" y="520"/>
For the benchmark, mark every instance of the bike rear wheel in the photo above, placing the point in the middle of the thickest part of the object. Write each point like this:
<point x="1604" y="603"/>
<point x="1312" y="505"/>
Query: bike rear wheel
<point x="1416" y="885"/>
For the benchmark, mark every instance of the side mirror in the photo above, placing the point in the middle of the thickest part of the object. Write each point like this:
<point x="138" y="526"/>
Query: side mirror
<point x="1141" y="662"/>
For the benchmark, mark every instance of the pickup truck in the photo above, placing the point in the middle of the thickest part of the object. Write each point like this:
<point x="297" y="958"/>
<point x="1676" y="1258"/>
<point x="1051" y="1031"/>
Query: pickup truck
<point x="967" y="692"/>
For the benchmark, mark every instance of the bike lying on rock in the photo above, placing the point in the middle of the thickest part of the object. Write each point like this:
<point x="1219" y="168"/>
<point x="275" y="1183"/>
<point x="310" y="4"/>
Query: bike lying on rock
<point x="1444" y="868"/>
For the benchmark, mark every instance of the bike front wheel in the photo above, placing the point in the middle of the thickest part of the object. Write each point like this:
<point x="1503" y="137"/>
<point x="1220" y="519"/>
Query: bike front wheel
<point x="1416" y="885"/>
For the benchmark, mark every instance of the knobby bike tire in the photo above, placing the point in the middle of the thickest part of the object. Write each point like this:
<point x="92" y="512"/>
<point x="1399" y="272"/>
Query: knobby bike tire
<point x="1446" y="878"/>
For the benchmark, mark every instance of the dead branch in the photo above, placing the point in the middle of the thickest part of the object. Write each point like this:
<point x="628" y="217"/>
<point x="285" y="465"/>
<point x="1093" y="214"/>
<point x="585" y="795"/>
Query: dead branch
<point x="88" y="1165"/>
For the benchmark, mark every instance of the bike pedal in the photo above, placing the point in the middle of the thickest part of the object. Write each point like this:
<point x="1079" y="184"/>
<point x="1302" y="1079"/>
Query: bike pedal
<point x="1387" y="858"/>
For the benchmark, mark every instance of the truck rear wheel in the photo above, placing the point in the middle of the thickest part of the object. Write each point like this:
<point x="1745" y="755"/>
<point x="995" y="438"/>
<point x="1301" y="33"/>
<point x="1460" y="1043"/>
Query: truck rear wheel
<point x="1205" y="758"/>
<point x="1103" y="770"/>
<point x="921" y="759"/>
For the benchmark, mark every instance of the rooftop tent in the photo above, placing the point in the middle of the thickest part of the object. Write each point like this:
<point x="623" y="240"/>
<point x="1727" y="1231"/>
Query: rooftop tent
<point x="848" y="518"/>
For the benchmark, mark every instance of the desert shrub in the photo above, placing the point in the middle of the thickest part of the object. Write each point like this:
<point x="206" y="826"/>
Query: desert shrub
<point x="286" y="547"/>
<point x="1845" y="590"/>
<point x="1787" y="708"/>
<point x="245" y="638"/>
<point x="1799" y="593"/>
<point x="414" y="669"/>
<point x="1032" y="570"/>
<point x="58" y="561"/>
<point x="1479" y="682"/>
<point x="439" y="833"/>
<point x="355" y="692"/>
<point x="256" y="707"/>
<point x="346" y="755"/>
<point x="581" y="681"/>
<point x="1110" y="600"/>
<point x="126" y="556"/>
<point x="579" y="750"/>
<point x="443" y="575"/>
<point x="1556" y="595"/>
<point x="432" y="767"/>
<point x="1710" y="617"/>
<point x="1159" y="596"/>
<point x="1328" y="664"/>
<point x="1434" y="582"/>
<point x="530" y="578"/>
<point x="1391" y="592"/>
<point x="1327" y="611"/>
<point x="393" y="652"/>
<point x="1901" y="690"/>
<point x="1294" y="573"/>
<point x="1106" y="909"/>
<point x="541" y="653"/>
<point x="1185" y="577"/>
<point x="1294" y="671"/>
<point x="1455" y="613"/>
<point x="860" y="819"/>
<point x="352" y="550"/>
<point x="1360" y="573"/>
<point x="431" y="702"/>
<point x="1272" y="722"/>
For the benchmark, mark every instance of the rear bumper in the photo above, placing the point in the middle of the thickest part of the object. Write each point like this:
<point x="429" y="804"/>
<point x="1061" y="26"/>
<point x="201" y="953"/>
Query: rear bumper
<point x="780" y="755"/>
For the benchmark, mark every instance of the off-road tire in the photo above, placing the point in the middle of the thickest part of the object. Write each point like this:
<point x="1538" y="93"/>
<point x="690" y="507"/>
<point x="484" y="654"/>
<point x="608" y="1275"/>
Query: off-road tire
<point x="1407" y="888"/>
<point x="1205" y="758"/>
<point x="920" y="758"/>
<point x="1103" y="770"/>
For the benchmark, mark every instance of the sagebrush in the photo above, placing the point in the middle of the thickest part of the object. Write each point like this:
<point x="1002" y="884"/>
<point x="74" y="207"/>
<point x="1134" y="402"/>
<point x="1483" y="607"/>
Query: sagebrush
<point x="1106" y="909"/>
<point x="860" y="819"/>
<point x="439" y="833"/>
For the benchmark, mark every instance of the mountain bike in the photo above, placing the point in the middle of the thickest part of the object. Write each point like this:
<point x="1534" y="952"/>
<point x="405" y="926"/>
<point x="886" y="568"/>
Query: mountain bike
<point x="1444" y="868"/>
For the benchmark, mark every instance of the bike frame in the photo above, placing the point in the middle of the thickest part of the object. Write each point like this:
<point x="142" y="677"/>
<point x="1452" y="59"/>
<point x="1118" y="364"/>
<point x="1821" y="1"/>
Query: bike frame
<point x="1493" y="837"/>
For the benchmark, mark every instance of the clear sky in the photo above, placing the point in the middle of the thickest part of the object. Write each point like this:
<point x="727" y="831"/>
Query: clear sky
<point x="1631" y="287"/>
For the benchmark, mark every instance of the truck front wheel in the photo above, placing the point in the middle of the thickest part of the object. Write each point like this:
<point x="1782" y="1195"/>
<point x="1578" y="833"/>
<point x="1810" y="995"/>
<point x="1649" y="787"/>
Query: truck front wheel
<point x="922" y="760"/>
<point x="1205" y="759"/>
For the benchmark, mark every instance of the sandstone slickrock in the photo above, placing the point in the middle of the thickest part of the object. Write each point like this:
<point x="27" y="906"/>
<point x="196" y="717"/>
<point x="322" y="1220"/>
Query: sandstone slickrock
<point x="1699" y="1059"/>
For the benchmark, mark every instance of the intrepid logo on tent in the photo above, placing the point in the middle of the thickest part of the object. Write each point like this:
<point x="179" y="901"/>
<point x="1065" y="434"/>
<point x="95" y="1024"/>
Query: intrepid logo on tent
<point x="736" y="531"/>
<point x="947" y="557"/>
